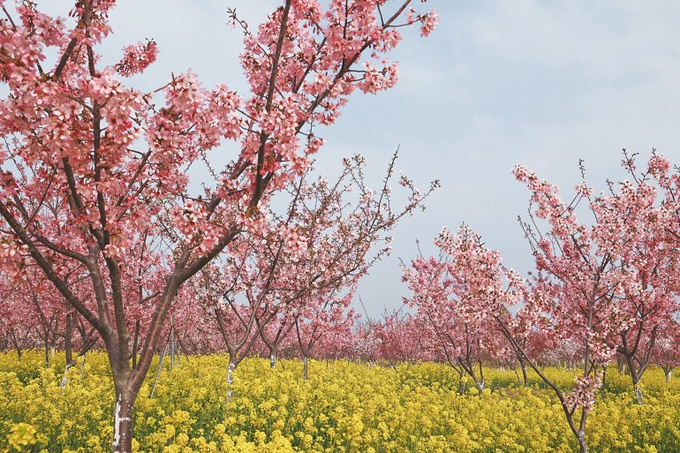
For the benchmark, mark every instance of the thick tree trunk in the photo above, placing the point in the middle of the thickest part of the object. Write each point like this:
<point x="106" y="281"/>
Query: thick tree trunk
<point x="668" y="373"/>
<point x="128" y="381"/>
<point x="122" y="423"/>
<point x="636" y="377"/>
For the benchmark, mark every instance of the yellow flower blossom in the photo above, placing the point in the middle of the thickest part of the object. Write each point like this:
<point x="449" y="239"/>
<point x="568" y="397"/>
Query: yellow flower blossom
<point x="21" y="435"/>
<point x="343" y="406"/>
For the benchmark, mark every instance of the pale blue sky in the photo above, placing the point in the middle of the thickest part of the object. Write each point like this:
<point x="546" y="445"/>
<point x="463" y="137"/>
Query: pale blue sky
<point x="538" y="82"/>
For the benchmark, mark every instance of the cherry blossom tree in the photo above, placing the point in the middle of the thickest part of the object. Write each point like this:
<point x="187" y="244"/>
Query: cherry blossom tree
<point x="113" y="160"/>
<point x="403" y="338"/>
<point x="608" y="285"/>
<point x="321" y="323"/>
<point x="18" y="326"/>
<point x="53" y="322"/>
<point x="597" y="286"/>
<point x="632" y="225"/>
<point x="465" y="292"/>
<point x="489" y="293"/>
<point x="319" y="247"/>
<point x="574" y="288"/>
<point x="667" y="350"/>
<point x="667" y="179"/>
<point x="437" y="313"/>
<point x="32" y="307"/>
<point x="275" y="333"/>
<point x="364" y="342"/>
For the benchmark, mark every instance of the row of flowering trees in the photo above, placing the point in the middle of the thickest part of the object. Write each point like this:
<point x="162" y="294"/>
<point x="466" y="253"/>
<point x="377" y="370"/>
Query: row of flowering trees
<point x="291" y="282"/>
<point x="397" y="337"/>
<point x="603" y="287"/>
<point x="97" y="212"/>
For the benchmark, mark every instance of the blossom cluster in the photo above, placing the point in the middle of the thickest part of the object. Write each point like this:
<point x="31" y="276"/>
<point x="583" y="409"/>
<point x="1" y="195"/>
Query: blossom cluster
<point x="584" y="391"/>
<point x="137" y="58"/>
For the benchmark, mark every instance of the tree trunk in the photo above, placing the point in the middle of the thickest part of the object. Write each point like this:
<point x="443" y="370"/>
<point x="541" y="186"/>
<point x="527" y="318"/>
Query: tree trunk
<point x="519" y="380"/>
<point x="46" y="340"/>
<point x="480" y="382"/>
<point x="64" y="379"/>
<point x="668" y="373"/>
<point x="461" y="386"/>
<point x="68" y="347"/>
<point x="230" y="371"/>
<point x="122" y="424"/>
<point x="135" y="341"/>
<point x="523" y="365"/>
<point x="636" y="378"/>
<point x="230" y="377"/>
<point x="583" y="447"/>
<point x="305" y="367"/>
<point x="13" y="338"/>
<point x="638" y="393"/>
<point x="272" y="360"/>
<point x="578" y="431"/>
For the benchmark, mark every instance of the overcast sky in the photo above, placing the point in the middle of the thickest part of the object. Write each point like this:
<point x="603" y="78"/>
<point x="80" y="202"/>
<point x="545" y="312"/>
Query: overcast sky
<point x="538" y="82"/>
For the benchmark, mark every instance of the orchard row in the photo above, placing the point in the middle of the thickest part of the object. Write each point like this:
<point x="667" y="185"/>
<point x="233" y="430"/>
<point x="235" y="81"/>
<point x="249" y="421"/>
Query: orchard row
<point x="102" y="237"/>
<point x="603" y="291"/>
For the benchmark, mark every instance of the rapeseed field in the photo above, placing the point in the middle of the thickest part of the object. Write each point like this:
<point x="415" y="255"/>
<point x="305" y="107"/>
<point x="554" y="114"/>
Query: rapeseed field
<point x="343" y="407"/>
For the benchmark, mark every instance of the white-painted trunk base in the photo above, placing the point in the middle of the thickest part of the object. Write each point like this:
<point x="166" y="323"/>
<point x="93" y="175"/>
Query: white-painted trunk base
<point x="230" y="379"/>
<point x="64" y="379"/>
<point x="117" y="422"/>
